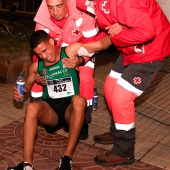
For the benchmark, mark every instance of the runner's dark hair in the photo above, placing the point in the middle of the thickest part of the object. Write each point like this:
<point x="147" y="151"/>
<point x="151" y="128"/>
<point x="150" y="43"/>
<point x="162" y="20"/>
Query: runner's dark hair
<point x="37" y="37"/>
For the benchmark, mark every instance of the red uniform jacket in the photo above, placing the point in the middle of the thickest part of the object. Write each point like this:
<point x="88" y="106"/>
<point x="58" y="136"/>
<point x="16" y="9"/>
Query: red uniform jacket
<point x="146" y="33"/>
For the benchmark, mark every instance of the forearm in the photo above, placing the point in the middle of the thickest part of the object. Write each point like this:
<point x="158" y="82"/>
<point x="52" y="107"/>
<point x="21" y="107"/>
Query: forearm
<point x="99" y="45"/>
<point x="31" y="78"/>
<point x="28" y="85"/>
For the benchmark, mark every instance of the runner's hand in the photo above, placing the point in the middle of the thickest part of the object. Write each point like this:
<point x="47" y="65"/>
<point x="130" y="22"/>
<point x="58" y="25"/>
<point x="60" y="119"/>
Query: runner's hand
<point x="16" y="95"/>
<point x="40" y="79"/>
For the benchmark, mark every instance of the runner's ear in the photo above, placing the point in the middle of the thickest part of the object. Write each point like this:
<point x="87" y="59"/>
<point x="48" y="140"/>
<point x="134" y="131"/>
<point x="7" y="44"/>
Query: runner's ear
<point x="51" y="41"/>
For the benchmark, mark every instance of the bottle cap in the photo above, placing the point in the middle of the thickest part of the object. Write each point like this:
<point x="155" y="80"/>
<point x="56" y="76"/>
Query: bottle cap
<point x="21" y="74"/>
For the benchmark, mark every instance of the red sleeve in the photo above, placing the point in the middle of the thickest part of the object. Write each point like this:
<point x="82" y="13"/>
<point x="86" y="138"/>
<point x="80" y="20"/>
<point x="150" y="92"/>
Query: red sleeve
<point x="34" y="58"/>
<point x="85" y="6"/>
<point x="97" y="37"/>
<point x="81" y="5"/>
<point x="138" y="26"/>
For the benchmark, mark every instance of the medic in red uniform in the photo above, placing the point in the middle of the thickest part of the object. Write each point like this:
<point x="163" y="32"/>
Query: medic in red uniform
<point x="144" y="43"/>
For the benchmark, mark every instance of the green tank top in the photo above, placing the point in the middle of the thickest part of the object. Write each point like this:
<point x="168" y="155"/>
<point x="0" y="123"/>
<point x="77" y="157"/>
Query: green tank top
<point x="61" y="81"/>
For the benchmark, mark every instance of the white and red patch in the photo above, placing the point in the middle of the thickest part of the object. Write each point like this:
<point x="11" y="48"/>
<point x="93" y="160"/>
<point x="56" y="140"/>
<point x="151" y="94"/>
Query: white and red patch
<point x="137" y="80"/>
<point x="105" y="7"/>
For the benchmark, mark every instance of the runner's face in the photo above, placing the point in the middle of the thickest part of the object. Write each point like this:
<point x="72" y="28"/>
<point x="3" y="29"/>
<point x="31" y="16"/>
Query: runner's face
<point x="46" y="51"/>
<point x="58" y="8"/>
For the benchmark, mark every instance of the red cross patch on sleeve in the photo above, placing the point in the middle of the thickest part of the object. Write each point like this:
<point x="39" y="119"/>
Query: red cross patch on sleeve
<point x="137" y="80"/>
<point x="105" y="7"/>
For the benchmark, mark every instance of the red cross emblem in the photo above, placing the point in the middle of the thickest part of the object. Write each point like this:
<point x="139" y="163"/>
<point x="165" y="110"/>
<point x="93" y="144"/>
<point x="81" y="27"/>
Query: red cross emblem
<point x="137" y="80"/>
<point x="105" y="7"/>
<point x="76" y="32"/>
<point x="44" y="71"/>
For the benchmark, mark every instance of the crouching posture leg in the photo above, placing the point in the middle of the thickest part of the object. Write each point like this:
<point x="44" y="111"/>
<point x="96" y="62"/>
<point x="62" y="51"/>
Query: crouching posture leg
<point x="73" y="112"/>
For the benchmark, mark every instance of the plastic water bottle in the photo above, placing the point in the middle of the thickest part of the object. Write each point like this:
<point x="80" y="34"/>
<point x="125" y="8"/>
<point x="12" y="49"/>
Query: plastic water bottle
<point x="95" y="100"/>
<point x="20" y="82"/>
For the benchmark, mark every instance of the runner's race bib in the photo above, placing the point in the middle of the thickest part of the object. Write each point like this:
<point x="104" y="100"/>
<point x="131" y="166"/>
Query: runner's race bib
<point x="60" y="88"/>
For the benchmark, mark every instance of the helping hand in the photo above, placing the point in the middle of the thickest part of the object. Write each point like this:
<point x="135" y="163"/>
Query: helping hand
<point x="72" y="63"/>
<point x="83" y="52"/>
<point x="114" y="29"/>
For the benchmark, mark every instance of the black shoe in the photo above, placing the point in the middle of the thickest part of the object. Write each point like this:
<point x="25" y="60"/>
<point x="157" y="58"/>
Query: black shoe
<point x="22" y="166"/>
<point x="84" y="134"/>
<point x="65" y="163"/>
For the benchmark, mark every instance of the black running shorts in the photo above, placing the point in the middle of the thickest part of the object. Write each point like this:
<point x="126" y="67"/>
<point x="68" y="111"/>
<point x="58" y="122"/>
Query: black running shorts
<point x="59" y="106"/>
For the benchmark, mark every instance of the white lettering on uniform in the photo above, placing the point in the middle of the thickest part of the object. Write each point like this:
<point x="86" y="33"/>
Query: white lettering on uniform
<point x="54" y="68"/>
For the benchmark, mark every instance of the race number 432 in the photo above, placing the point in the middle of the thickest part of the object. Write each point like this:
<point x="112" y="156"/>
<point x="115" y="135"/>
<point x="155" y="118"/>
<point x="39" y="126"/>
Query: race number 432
<point x="59" y="88"/>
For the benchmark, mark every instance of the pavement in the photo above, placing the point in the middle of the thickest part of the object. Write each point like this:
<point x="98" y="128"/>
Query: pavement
<point x="152" y="149"/>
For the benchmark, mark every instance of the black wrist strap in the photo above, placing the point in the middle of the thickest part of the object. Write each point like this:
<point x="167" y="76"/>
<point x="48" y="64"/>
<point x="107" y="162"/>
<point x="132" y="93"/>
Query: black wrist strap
<point x="83" y="61"/>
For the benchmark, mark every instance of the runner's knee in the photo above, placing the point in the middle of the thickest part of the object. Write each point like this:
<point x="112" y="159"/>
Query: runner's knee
<point x="79" y="102"/>
<point x="32" y="110"/>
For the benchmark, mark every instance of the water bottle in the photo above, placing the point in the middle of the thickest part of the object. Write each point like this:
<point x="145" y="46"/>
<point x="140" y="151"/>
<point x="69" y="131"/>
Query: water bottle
<point x="20" y="83"/>
<point x="95" y="100"/>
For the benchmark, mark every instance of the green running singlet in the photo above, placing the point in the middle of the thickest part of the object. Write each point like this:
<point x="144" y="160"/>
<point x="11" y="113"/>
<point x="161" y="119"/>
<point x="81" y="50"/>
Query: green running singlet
<point x="61" y="81"/>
